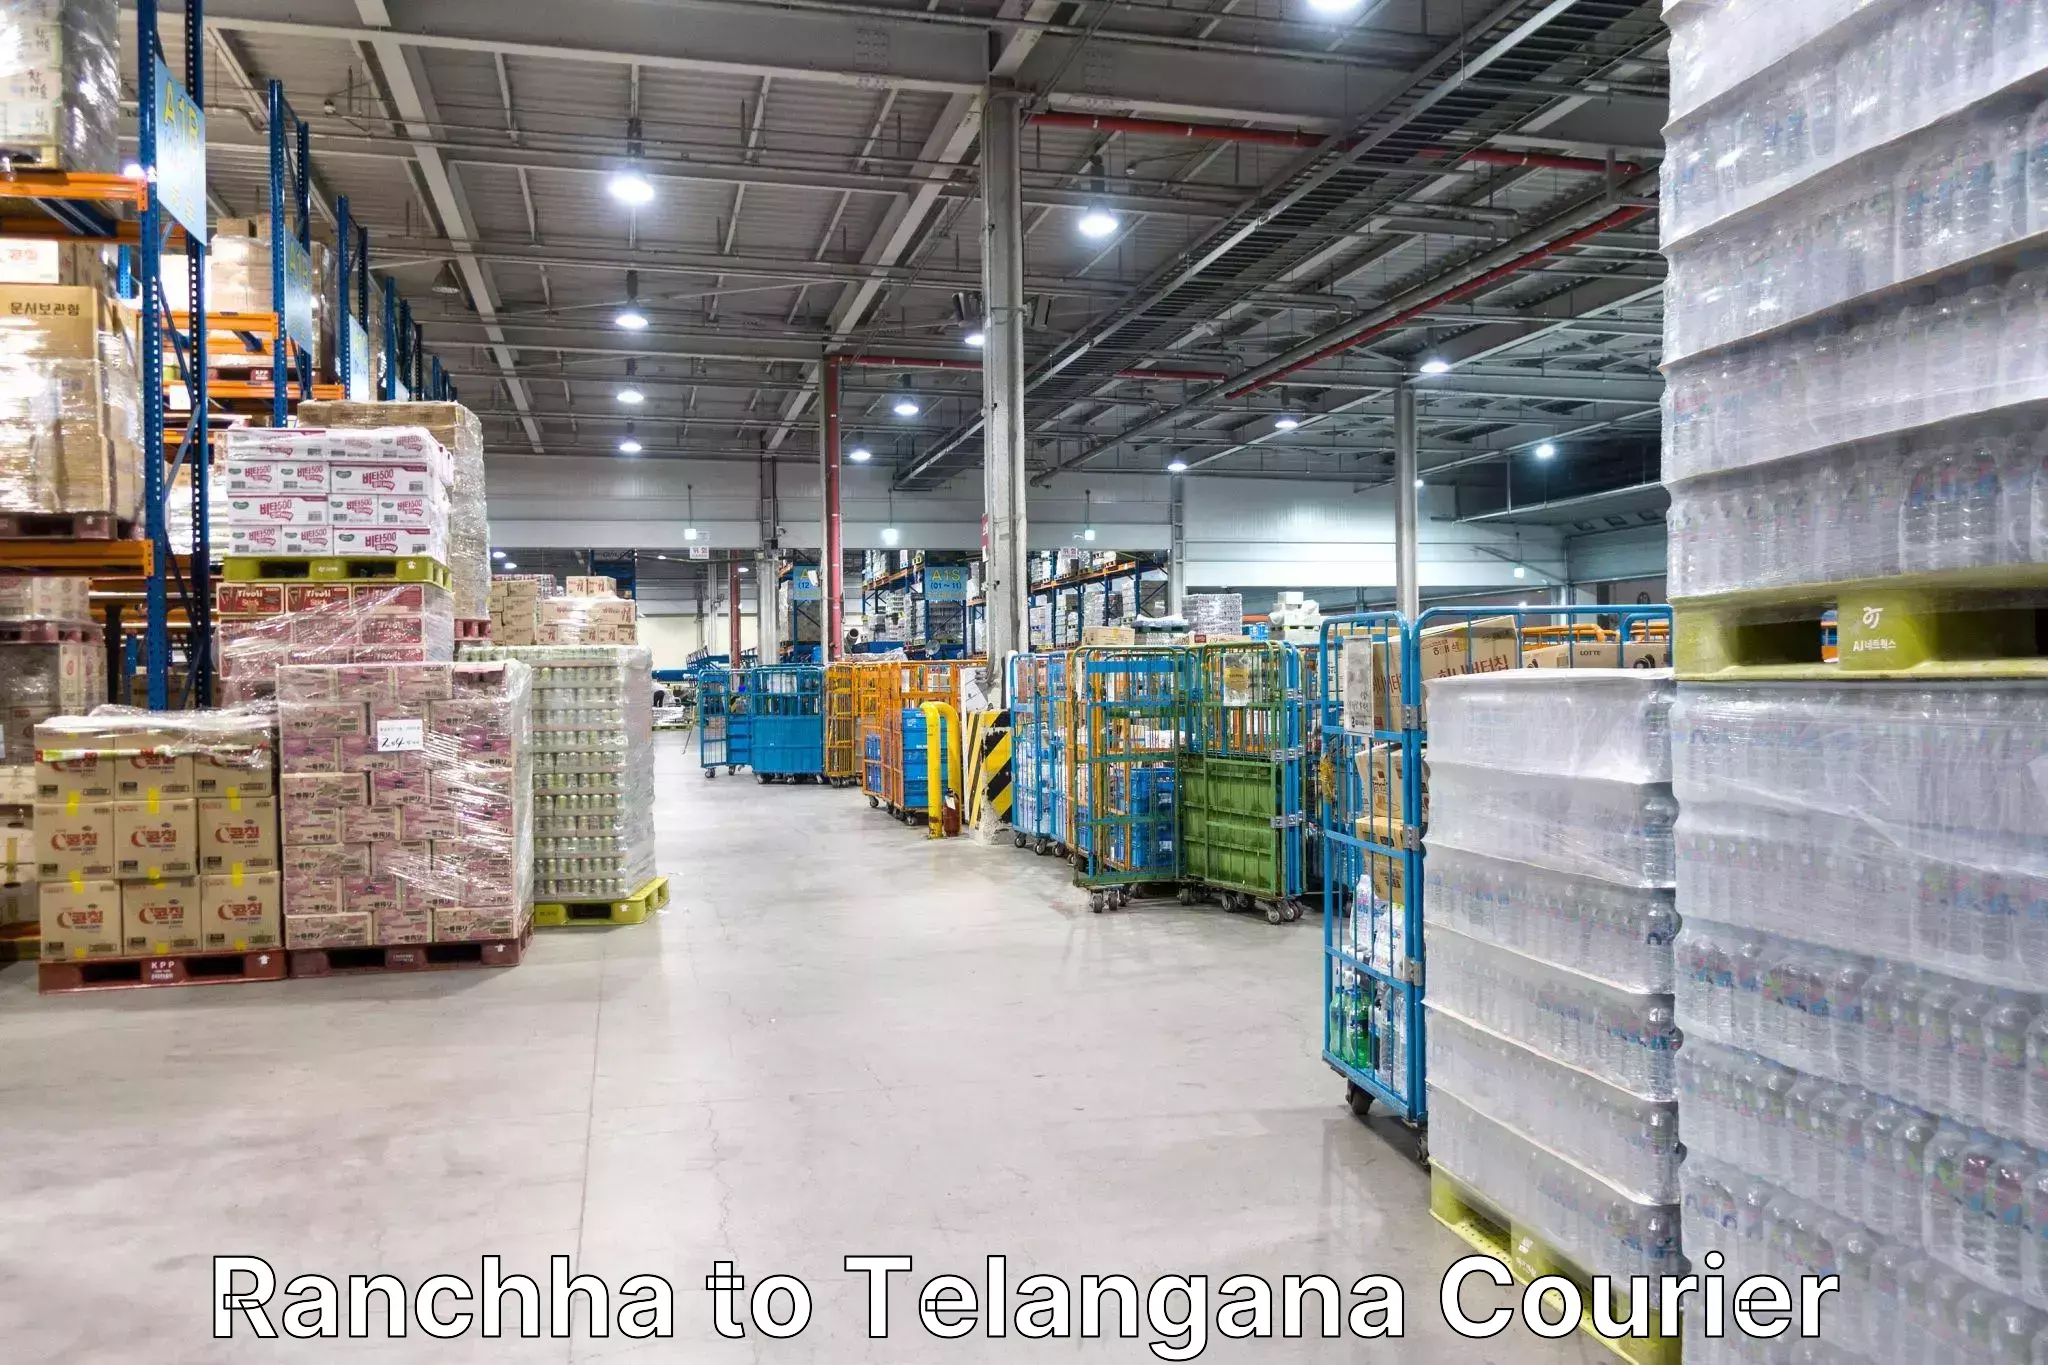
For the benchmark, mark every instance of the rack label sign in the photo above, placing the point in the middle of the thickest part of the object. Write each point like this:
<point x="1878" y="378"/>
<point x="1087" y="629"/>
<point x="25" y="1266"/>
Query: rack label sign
<point x="362" y="382"/>
<point x="298" y="291"/>
<point x="180" y="185"/>
<point x="803" y="586"/>
<point x="700" y="552"/>
<point x="945" y="583"/>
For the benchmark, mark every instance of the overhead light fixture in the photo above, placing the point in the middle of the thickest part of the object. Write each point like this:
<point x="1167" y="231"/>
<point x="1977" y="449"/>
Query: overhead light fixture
<point x="690" y="526"/>
<point x="976" y="339"/>
<point x="1176" y="466"/>
<point x="860" y="454"/>
<point x="1521" y="572"/>
<point x="497" y="554"/>
<point x="133" y="170"/>
<point x="630" y="446"/>
<point x="689" y="533"/>
<point x="631" y="187"/>
<point x="1088" y="533"/>
<point x="1418" y="483"/>
<point x="445" y="283"/>
<point x="906" y="404"/>
<point x="630" y="317"/>
<point x="1098" y="223"/>
<point x="1286" y="423"/>
<point x="1436" y="365"/>
<point x="743" y="568"/>
<point x="1546" y="451"/>
<point x="630" y="395"/>
<point x="889" y="534"/>
<point x="1334" y="6"/>
<point x="510" y="565"/>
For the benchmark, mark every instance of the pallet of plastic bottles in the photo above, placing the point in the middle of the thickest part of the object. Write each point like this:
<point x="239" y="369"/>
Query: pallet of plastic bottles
<point x="634" y="909"/>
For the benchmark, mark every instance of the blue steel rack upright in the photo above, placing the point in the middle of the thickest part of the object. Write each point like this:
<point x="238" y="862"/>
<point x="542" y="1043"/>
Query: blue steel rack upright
<point x="170" y="120"/>
<point x="291" y="257"/>
<point x="352" y="304"/>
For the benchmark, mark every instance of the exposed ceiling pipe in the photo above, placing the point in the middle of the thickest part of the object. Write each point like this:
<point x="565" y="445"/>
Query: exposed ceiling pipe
<point x="900" y="362"/>
<point x="1620" y="217"/>
<point x="1274" y="137"/>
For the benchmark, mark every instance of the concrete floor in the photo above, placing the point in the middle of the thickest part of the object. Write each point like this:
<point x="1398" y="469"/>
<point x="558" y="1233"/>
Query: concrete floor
<point x="839" y="1039"/>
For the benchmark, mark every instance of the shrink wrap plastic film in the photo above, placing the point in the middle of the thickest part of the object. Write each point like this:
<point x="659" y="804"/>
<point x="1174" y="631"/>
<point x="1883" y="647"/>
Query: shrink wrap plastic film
<point x="233" y="740"/>
<point x="30" y="597"/>
<point x="60" y="83"/>
<point x="329" y="623"/>
<point x="593" y="768"/>
<point x="407" y="799"/>
<point x="469" y="527"/>
<point x="571" y="620"/>
<point x="38" y="681"/>
<point x="1627" y="1140"/>
<point x="1600" y="723"/>
<point x="70" y="410"/>
<point x="1902" y="820"/>
<point x="1617" y="832"/>
<point x="1616" y="934"/>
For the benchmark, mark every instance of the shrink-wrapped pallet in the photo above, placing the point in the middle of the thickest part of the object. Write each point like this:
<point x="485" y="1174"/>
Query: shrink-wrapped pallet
<point x="60" y="84"/>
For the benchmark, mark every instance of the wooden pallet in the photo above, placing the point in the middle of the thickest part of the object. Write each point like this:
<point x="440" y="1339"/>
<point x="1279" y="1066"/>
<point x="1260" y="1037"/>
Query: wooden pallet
<point x="411" y="957"/>
<point x="634" y="909"/>
<point x="67" y="526"/>
<point x="1990" y="623"/>
<point x="45" y="633"/>
<point x="1490" y="1232"/>
<point x="187" y="969"/>
<point x="473" y="629"/>
<point x="335" y="569"/>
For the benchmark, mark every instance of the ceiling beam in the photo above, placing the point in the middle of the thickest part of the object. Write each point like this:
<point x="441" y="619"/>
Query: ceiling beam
<point x="414" y="104"/>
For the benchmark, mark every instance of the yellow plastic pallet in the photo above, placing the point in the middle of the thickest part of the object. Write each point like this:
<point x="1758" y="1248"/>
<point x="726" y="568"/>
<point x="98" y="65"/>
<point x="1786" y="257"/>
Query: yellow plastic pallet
<point x="633" y="910"/>
<point x="335" y="569"/>
<point x="1488" y="1231"/>
<point x="1955" y="624"/>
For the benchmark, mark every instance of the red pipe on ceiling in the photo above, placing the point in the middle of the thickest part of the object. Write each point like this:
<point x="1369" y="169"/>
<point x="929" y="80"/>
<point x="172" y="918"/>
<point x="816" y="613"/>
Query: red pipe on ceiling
<point x="1618" y="218"/>
<point x="905" y="362"/>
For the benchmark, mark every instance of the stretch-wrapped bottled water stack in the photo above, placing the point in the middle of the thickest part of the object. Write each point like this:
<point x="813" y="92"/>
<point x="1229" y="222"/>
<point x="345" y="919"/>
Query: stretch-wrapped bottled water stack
<point x="1552" y="1045"/>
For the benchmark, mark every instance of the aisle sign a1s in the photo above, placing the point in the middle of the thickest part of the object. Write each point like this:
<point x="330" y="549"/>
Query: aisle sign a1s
<point x="180" y="184"/>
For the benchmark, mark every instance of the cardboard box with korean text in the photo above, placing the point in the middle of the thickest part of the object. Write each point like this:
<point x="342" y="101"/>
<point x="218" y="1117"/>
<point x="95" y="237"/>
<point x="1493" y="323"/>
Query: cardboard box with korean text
<point x="238" y="833"/>
<point x="75" y="841"/>
<point x="156" y="839"/>
<point x="80" y="919"/>
<point x="1600" y="654"/>
<point x="241" y="911"/>
<point x="161" y="916"/>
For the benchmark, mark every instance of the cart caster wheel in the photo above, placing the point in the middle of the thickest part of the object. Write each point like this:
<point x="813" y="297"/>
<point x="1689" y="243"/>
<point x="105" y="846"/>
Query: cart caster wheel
<point x="711" y="774"/>
<point x="1186" y="895"/>
<point x="1422" y="1149"/>
<point x="761" y="778"/>
<point x="1275" y="915"/>
<point x="1061" y="850"/>
<point x="1358" y="1098"/>
<point x="1292" y="911"/>
<point x="873" y="804"/>
<point x="1076" y="861"/>
<point x="1041" y="846"/>
<point x="1019" y="839"/>
<point x="1123" y="896"/>
<point x="732" y="771"/>
<point x="1097" y="902"/>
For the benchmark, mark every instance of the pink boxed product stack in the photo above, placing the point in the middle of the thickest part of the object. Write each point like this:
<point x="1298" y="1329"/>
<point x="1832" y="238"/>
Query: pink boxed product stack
<point x="261" y="627"/>
<point x="377" y="492"/>
<point x="407" y="802"/>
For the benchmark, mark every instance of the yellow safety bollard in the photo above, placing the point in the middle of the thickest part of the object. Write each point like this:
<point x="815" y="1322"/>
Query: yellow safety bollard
<point x="940" y="719"/>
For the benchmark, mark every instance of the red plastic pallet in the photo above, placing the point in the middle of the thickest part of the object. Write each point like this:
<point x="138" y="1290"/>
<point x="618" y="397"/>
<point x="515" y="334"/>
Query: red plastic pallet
<point x="411" y="957"/>
<point x="187" y="969"/>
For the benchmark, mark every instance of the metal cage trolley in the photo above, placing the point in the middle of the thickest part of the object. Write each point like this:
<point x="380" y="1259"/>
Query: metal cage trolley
<point x="1239" y="779"/>
<point x="1129" y="714"/>
<point x="786" y="722"/>
<point x="722" y="723"/>
<point x="1040" y="771"/>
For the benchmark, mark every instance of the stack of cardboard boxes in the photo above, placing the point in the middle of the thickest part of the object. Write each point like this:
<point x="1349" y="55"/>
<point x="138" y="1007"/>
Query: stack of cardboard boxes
<point x="39" y="680"/>
<point x="71" y="432"/>
<point x="362" y="492"/>
<point x="408" y="811"/>
<point x="468" y="552"/>
<point x="515" y="610"/>
<point x="60" y="84"/>
<point x="586" y="621"/>
<point x="261" y="626"/>
<point x="156" y="834"/>
<point x="17" y="861"/>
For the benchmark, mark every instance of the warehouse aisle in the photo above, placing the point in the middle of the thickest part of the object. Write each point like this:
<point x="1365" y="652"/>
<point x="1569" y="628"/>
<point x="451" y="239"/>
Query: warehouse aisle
<point x="840" y="1039"/>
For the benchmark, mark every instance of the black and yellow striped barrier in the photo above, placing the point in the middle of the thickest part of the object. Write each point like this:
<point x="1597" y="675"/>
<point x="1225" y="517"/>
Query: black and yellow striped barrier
<point x="988" y="766"/>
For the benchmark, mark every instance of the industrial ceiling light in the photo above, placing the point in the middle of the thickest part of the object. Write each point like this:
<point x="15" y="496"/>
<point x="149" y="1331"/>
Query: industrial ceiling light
<point x="445" y="283"/>
<point x="1286" y="423"/>
<point x="1521" y="572"/>
<point x="1546" y="451"/>
<point x="906" y="404"/>
<point x="889" y="534"/>
<point x="1098" y="223"/>
<point x="860" y="454"/>
<point x="976" y="338"/>
<point x="632" y="188"/>
<point x="1436" y="365"/>
<point x="1418" y="483"/>
<point x="497" y="554"/>
<point x="630" y="395"/>
<point x="133" y="170"/>
<point x="1334" y="6"/>
<point x="510" y="565"/>
<point x="690" y="529"/>
<point x="630" y="446"/>
<point x="1176" y="466"/>
<point x="630" y="317"/>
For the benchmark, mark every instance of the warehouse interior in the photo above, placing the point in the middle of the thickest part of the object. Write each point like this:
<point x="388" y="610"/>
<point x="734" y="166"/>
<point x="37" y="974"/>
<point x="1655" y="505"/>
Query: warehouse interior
<point x="1258" y="679"/>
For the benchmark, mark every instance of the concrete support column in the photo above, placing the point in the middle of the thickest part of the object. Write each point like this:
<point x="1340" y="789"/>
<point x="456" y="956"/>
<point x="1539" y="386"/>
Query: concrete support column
<point x="1005" y="576"/>
<point x="732" y="606"/>
<point x="1176" y="547"/>
<point x="767" y="593"/>
<point x="1407" y="506"/>
<point x="832" y="554"/>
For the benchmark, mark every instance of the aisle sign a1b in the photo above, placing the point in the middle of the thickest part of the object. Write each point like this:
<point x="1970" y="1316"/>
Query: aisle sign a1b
<point x="180" y="184"/>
